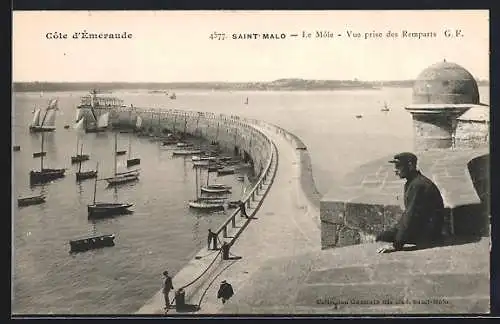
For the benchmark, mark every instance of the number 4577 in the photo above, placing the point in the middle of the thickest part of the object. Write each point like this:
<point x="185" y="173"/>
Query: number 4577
<point x="217" y="36"/>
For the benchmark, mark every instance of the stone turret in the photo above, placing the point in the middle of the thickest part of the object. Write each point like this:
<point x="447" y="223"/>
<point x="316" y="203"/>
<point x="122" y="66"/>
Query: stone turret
<point x="446" y="114"/>
<point x="441" y="93"/>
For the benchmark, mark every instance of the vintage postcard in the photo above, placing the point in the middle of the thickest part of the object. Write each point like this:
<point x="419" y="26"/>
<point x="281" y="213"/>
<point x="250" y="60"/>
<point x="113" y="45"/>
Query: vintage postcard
<point x="250" y="162"/>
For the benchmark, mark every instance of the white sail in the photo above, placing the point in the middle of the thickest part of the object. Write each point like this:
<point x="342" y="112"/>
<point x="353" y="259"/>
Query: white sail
<point x="79" y="124"/>
<point x="103" y="120"/>
<point x="50" y="118"/>
<point x="53" y="104"/>
<point x="36" y="118"/>
<point x="79" y="115"/>
<point x="139" y="122"/>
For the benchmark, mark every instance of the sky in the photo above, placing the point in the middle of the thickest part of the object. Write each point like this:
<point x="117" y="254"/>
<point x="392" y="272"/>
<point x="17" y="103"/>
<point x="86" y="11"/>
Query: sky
<point x="169" y="46"/>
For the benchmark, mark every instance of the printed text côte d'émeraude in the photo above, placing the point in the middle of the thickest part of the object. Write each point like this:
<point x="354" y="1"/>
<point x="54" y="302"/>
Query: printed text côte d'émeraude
<point x="86" y="35"/>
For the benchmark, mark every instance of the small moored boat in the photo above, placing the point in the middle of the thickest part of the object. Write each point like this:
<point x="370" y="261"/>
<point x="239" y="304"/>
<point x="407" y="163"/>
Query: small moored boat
<point x="212" y="199"/>
<point x="225" y="170"/>
<point x="121" y="177"/>
<point x="32" y="200"/>
<point x="39" y="154"/>
<point x="182" y="144"/>
<point x="214" y="168"/>
<point x="169" y="142"/>
<point x="45" y="175"/>
<point x="206" y="205"/>
<point x="79" y="157"/>
<point x="83" y="175"/>
<point x="215" y="189"/>
<point x="186" y="152"/>
<point x="104" y="209"/>
<point x="92" y="242"/>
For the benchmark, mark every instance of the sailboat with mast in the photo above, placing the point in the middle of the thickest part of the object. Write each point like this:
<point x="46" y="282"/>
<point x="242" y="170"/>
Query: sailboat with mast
<point x="45" y="175"/>
<point x="99" y="124"/>
<point x="215" y="188"/>
<point x="104" y="209"/>
<point x="205" y="204"/>
<point x="131" y="161"/>
<point x="212" y="198"/>
<point x="386" y="107"/>
<point x="79" y="157"/>
<point x="121" y="177"/>
<point x="138" y="123"/>
<point x="47" y="122"/>
<point x="83" y="175"/>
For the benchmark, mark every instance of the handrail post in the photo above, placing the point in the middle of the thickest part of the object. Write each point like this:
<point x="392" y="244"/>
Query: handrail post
<point x="224" y="231"/>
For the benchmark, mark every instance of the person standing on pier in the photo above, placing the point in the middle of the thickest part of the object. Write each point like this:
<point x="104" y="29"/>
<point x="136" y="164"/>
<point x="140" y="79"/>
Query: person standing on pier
<point x="422" y="220"/>
<point x="243" y="209"/>
<point x="225" y="291"/>
<point x="167" y="286"/>
<point x="212" y="237"/>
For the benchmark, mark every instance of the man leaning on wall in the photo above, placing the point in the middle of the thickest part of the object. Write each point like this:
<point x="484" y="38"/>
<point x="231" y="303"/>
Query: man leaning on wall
<point x="422" y="221"/>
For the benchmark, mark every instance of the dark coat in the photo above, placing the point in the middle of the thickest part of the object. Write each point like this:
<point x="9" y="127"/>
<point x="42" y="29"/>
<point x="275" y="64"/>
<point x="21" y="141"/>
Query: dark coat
<point x="167" y="285"/>
<point x="423" y="217"/>
<point x="225" y="291"/>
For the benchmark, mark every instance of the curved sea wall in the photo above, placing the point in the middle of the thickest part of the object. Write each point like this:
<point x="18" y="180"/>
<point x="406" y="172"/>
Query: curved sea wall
<point x="307" y="183"/>
<point x="232" y="132"/>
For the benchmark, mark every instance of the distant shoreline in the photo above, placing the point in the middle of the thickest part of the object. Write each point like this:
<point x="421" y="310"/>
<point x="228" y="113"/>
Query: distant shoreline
<point x="277" y="85"/>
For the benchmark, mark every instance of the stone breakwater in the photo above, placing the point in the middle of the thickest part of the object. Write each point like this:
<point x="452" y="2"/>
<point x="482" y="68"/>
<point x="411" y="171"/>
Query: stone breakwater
<point x="246" y="137"/>
<point x="232" y="132"/>
<point x="307" y="184"/>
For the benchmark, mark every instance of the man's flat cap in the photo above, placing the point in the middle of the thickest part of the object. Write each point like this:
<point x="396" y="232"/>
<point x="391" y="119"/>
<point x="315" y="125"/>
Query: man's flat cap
<point x="404" y="157"/>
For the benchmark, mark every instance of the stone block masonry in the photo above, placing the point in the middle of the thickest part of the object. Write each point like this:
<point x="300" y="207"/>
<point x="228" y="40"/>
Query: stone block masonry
<point x="231" y="132"/>
<point x="370" y="199"/>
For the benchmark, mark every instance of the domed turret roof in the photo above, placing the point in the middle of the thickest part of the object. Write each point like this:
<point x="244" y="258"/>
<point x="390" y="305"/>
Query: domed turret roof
<point x="445" y="83"/>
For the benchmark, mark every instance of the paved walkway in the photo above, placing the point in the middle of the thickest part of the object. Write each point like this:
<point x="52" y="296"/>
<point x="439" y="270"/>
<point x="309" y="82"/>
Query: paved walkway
<point x="357" y="280"/>
<point x="282" y="269"/>
<point x="283" y="226"/>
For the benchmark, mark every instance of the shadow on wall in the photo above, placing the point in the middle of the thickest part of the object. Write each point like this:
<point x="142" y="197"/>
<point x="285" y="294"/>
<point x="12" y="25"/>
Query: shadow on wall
<point x="474" y="219"/>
